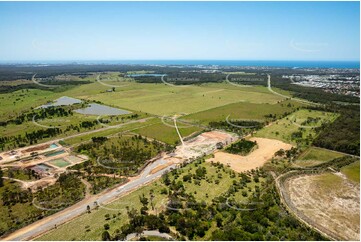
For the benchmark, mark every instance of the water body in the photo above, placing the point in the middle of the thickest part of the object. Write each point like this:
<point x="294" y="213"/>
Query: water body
<point x="62" y="101"/>
<point x="53" y="146"/>
<point x="50" y="154"/>
<point x="98" y="109"/>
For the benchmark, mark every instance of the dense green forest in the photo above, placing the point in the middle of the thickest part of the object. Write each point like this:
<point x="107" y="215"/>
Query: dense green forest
<point x="184" y="78"/>
<point x="242" y="147"/>
<point x="343" y="134"/>
<point x="21" y="207"/>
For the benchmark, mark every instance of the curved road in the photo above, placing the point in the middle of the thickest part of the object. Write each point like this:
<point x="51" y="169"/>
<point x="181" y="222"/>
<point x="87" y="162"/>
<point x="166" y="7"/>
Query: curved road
<point x="279" y="94"/>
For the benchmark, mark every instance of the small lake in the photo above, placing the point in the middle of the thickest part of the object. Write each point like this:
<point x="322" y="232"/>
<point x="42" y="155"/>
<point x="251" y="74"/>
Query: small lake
<point x="98" y="109"/>
<point x="140" y="75"/>
<point x="62" y="101"/>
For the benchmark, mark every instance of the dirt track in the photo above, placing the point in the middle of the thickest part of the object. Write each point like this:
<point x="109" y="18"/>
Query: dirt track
<point x="265" y="151"/>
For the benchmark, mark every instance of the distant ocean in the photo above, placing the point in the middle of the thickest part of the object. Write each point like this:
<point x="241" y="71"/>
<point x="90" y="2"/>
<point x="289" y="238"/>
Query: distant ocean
<point x="256" y="63"/>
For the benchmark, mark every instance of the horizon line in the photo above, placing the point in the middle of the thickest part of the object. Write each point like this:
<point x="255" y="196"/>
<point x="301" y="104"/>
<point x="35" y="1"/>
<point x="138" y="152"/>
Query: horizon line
<point x="74" y="60"/>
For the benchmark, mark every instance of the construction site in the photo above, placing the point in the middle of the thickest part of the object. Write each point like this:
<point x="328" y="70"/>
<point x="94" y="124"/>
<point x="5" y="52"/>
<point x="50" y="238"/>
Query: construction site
<point x="45" y="162"/>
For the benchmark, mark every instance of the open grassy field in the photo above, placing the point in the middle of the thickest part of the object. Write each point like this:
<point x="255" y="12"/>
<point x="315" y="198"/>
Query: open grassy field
<point x="352" y="172"/>
<point x="243" y="111"/>
<point x="315" y="155"/>
<point x="89" y="226"/>
<point x="54" y="122"/>
<point x="166" y="134"/>
<point x="291" y="130"/>
<point x="108" y="132"/>
<point x="70" y="125"/>
<point x="152" y="98"/>
<point x="18" y="101"/>
<point x="161" y="99"/>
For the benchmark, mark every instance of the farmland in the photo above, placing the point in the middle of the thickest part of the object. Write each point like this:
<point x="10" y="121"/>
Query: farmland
<point x="166" y="134"/>
<point x="244" y="111"/>
<point x="161" y="99"/>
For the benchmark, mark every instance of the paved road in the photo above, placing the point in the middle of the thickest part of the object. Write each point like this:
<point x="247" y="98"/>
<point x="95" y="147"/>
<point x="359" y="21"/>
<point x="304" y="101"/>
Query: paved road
<point x="270" y="88"/>
<point x="48" y="223"/>
<point x="279" y="94"/>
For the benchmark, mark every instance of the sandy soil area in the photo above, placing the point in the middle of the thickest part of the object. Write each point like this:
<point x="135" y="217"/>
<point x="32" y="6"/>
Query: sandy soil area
<point x="204" y="143"/>
<point x="257" y="158"/>
<point x="328" y="201"/>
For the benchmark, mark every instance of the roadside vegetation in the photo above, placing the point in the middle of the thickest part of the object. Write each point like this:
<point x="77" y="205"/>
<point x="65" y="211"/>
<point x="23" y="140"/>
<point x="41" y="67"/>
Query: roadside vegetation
<point x="102" y="182"/>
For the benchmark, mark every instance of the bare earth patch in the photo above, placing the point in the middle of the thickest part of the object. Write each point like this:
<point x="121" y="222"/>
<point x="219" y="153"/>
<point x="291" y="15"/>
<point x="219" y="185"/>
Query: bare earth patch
<point x="329" y="202"/>
<point x="265" y="151"/>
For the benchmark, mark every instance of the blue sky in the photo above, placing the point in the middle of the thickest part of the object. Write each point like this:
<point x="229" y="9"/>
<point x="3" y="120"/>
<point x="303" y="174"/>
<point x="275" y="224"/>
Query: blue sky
<point x="179" y="30"/>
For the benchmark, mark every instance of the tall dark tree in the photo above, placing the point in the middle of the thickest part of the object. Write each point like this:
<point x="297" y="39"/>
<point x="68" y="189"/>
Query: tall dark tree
<point x="1" y="178"/>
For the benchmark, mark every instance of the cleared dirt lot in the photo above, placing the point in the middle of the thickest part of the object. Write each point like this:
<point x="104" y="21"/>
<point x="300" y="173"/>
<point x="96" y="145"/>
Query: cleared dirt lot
<point x="204" y="143"/>
<point x="257" y="158"/>
<point x="328" y="201"/>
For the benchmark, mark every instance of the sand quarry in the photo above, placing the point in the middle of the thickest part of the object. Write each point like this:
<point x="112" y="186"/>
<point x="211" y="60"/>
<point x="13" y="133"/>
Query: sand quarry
<point x="334" y="211"/>
<point x="265" y="151"/>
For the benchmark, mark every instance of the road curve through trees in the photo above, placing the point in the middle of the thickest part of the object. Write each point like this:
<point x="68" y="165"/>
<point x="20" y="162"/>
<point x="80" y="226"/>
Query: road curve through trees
<point x="46" y="224"/>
